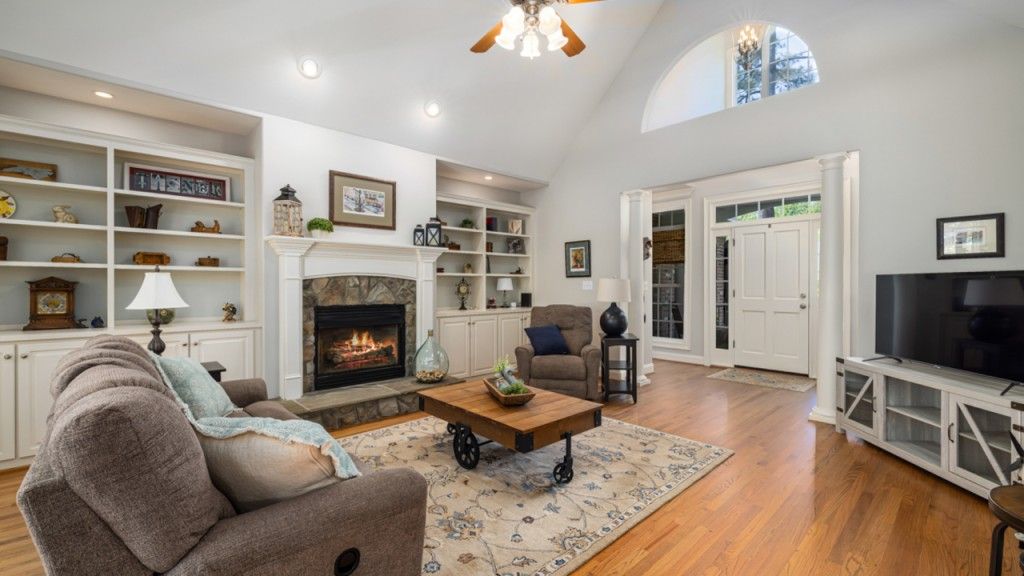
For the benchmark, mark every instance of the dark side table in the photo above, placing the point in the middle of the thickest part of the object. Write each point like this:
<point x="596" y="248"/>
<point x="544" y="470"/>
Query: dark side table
<point x="215" y="369"/>
<point x="615" y="385"/>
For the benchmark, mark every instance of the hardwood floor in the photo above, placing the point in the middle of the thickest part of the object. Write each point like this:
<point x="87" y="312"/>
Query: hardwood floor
<point x="795" y="499"/>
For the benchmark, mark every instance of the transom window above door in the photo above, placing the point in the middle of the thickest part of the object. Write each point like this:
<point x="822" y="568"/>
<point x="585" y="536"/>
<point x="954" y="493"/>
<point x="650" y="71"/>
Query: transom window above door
<point x="774" y="208"/>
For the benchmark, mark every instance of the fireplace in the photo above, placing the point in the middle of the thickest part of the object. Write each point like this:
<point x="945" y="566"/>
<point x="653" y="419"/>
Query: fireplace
<point x="357" y="344"/>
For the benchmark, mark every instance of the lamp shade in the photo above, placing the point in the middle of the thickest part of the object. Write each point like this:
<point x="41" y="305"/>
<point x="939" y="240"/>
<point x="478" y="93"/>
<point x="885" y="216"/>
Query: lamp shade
<point x="613" y="290"/>
<point x="157" y="292"/>
<point x="504" y="284"/>
<point x="994" y="292"/>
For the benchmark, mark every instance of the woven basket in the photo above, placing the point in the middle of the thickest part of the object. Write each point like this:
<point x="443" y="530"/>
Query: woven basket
<point x="507" y="399"/>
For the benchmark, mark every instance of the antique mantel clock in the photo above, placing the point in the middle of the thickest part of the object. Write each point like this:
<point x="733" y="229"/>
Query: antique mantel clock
<point x="51" y="304"/>
<point x="462" y="291"/>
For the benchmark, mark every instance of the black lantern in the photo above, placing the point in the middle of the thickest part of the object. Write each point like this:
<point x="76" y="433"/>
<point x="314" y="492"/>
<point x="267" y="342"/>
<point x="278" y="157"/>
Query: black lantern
<point x="419" y="236"/>
<point x="434" y="232"/>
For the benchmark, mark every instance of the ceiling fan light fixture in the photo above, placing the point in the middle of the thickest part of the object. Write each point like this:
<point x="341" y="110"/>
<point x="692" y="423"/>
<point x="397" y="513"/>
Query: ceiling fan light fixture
<point x="506" y="39"/>
<point x="514" y="22"/>
<point x="531" y="45"/>
<point x="557" y="41"/>
<point x="548" y="22"/>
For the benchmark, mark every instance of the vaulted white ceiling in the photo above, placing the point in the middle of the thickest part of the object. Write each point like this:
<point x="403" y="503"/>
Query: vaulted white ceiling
<point x="382" y="59"/>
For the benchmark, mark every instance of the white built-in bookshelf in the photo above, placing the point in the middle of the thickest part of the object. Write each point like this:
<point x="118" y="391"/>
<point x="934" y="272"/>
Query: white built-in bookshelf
<point x="90" y="179"/>
<point x="499" y="261"/>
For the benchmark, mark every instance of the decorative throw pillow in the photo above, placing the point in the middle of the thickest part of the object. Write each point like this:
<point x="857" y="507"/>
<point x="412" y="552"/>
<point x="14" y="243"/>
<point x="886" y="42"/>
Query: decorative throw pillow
<point x="547" y="340"/>
<point x="194" y="386"/>
<point x="256" y="462"/>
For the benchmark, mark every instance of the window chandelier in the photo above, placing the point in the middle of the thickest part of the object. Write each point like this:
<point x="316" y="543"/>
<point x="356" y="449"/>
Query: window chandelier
<point x="747" y="45"/>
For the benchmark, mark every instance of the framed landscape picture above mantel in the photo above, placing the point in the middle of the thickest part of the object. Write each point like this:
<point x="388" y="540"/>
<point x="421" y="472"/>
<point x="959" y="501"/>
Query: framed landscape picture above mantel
<point x="980" y="236"/>
<point x="362" y="202"/>
<point x="140" y="178"/>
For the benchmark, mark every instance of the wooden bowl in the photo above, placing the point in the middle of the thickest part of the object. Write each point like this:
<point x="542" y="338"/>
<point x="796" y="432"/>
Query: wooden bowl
<point x="507" y="399"/>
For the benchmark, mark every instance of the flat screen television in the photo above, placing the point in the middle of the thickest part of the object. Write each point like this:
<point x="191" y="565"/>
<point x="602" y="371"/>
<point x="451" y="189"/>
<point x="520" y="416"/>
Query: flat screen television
<point x="970" y="321"/>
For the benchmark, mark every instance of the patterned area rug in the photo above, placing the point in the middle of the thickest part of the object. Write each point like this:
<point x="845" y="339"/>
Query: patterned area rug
<point x="508" y="517"/>
<point x="780" y="380"/>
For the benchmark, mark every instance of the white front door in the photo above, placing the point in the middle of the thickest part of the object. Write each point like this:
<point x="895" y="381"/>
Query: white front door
<point x="771" y="305"/>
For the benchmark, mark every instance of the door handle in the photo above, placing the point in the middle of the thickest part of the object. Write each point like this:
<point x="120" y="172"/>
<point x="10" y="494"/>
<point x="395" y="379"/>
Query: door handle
<point x="803" y="296"/>
<point x="949" y="432"/>
<point x="803" y="306"/>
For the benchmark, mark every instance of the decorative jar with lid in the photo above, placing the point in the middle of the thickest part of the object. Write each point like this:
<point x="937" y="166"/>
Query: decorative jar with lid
<point x="431" y="361"/>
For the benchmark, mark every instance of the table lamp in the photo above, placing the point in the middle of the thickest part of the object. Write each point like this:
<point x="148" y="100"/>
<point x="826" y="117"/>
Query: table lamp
<point x="613" y="290"/>
<point x="505" y="286"/>
<point x="157" y="292"/>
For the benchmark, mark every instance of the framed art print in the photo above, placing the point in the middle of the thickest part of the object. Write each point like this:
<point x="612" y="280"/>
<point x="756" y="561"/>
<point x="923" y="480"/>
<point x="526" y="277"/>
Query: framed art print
<point x="979" y="236"/>
<point x="577" y="259"/>
<point x="362" y="202"/>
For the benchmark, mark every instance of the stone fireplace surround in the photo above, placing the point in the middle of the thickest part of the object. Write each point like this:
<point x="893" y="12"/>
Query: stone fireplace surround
<point x="317" y="262"/>
<point x="352" y="290"/>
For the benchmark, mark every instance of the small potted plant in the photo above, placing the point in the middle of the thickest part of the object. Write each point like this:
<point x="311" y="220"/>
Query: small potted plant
<point x="467" y="223"/>
<point x="320" y="227"/>
<point x="505" y="387"/>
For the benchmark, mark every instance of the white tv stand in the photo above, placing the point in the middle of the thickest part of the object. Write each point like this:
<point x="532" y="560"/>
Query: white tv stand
<point x="953" y="424"/>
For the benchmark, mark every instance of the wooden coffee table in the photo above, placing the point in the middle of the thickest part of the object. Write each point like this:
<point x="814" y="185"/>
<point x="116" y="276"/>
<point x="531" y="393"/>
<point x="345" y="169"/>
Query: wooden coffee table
<point x="548" y="418"/>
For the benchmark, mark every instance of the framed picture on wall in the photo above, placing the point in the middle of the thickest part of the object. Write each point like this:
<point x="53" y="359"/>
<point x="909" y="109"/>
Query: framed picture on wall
<point x="362" y="202"/>
<point x="577" y="259"/>
<point x="980" y="236"/>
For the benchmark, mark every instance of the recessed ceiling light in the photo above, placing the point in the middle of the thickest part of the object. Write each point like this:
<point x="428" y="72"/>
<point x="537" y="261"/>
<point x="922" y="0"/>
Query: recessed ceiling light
<point x="432" y="109"/>
<point x="488" y="177"/>
<point x="102" y="94"/>
<point x="309" y="68"/>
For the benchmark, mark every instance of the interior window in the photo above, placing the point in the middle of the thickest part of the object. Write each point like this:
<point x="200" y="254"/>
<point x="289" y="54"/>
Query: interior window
<point x="775" y="208"/>
<point x="782" y="63"/>
<point x="669" y="263"/>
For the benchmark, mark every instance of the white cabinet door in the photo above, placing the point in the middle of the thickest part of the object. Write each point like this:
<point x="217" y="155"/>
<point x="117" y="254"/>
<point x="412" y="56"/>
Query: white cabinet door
<point x="232" y="348"/>
<point x="36" y="364"/>
<point x="979" y="436"/>
<point x="177" y="344"/>
<point x="453" y="334"/>
<point x="483" y="344"/>
<point x="7" y="416"/>
<point x="510" y="335"/>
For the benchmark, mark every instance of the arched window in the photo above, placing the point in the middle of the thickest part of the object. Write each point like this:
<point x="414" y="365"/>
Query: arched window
<point x="734" y="67"/>
<point x="780" y="63"/>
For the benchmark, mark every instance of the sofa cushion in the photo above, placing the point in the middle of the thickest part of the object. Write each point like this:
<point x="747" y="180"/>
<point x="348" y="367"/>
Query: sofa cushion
<point x="101" y="377"/>
<point x="269" y="409"/>
<point x="558" y="368"/>
<point x="547" y="340"/>
<point x="256" y="462"/>
<point x="132" y="457"/>
<point x="195" y="387"/>
<point x="575" y="322"/>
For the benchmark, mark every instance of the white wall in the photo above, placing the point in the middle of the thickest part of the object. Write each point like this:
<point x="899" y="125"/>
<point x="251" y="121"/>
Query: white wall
<point x="928" y="92"/>
<point x="455" y="187"/>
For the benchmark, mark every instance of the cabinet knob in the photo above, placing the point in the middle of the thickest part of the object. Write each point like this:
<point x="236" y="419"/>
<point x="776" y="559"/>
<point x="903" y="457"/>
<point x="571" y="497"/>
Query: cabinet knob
<point x="24" y="356"/>
<point x="184" y="345"/>
<point x="197" y="343"/>
<point x="8" y="356"/>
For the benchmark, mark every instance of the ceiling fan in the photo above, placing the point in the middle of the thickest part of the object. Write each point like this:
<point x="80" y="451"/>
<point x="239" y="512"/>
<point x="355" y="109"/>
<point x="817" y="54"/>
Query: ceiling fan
<point x="529" y="20"/>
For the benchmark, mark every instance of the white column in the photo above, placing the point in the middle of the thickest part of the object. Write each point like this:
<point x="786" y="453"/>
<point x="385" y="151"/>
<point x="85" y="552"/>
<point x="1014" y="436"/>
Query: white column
<point x="425" y="289"/>
<point x="830" y="304"/>
<point x="289" y="312"/>
<point x="635" y="267"/>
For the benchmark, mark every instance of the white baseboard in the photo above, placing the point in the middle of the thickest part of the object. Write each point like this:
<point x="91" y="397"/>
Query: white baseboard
<point x="683" y="357"/>
<point x="817" y="415"/>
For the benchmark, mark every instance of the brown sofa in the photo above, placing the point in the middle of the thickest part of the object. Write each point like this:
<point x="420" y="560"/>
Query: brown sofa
<point x="576" y="374"/>
<point x="120" y="486"/>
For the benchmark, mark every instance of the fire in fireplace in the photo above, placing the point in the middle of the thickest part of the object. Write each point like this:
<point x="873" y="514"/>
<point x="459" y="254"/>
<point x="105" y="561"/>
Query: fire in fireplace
<point x="356" y="344"/>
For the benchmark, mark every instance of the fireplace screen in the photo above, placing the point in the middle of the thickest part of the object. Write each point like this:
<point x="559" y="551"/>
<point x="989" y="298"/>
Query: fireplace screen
<point x="356" y="344"/>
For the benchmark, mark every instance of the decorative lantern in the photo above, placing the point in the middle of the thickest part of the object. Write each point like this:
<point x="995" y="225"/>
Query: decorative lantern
<point x="419" y="236"/>
<point x="287" y="213"/>
<point x="434" y="232"/>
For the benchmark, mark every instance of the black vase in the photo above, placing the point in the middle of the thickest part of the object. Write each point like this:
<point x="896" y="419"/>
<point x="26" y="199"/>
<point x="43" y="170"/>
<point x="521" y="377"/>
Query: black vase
<point x="613" y="321"/>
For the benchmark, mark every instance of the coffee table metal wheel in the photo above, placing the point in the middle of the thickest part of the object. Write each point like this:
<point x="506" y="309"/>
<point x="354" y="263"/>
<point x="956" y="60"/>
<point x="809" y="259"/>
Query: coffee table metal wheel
<point x="451" y="428"/>
<point x="563" y="470"/>
<point x="466" y="447"/>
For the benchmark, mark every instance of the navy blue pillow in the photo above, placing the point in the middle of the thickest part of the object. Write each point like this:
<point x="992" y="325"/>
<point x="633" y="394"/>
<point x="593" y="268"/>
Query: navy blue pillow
<point x="547" y="340"/>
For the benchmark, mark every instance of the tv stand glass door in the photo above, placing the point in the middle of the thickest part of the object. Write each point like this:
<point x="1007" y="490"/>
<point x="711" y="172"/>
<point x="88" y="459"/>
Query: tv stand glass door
<point x="979" y="436"/>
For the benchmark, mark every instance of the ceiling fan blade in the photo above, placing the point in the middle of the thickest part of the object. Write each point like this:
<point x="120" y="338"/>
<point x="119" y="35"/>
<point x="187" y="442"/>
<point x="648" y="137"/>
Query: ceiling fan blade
<point x="485" y="43"/>
<point x="575" y="45"/>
